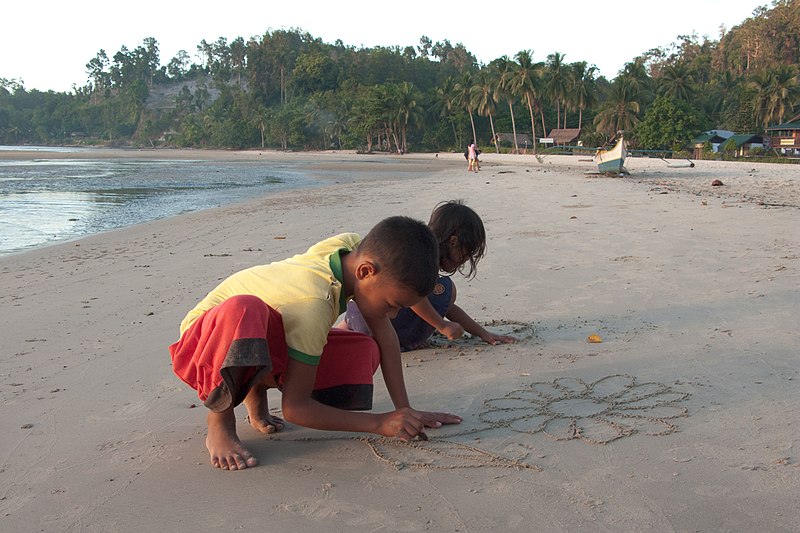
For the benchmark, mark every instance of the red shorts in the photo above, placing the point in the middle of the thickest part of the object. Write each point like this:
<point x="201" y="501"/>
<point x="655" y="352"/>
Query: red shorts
<point x="244" y="332"/>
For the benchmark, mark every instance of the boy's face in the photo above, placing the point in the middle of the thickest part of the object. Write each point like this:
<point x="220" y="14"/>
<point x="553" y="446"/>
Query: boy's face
<point x="381" y="298"/>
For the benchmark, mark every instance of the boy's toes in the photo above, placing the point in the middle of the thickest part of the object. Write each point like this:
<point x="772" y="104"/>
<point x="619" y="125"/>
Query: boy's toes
<point x="234" y="462"/>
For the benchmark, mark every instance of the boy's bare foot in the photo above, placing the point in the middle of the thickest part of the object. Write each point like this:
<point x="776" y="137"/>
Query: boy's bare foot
<point x="224" y="446"/>
<point x="258" y="411"/>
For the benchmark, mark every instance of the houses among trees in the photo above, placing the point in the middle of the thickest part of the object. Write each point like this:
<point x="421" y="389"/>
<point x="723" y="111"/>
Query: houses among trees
<point x="289" y="90"/>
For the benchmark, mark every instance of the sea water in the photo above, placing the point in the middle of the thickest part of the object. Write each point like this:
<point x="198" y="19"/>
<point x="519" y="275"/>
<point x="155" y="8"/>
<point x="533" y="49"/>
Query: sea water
<point x="44" y="201"/>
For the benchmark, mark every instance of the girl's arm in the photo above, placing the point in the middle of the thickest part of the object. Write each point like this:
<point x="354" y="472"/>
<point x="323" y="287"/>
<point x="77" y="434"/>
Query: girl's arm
<point x="426" y="311"/>
<point x="456" y="314"/>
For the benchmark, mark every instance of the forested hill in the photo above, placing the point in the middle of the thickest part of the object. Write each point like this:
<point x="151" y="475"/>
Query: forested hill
<point x="290" y="90"/>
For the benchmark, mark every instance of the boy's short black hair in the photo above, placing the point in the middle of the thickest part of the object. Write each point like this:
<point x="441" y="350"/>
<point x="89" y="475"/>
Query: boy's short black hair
<point x="406" y="250"/>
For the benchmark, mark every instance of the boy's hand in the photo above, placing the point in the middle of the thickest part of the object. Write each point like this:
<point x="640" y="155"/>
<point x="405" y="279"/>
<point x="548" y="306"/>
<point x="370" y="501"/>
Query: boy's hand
<point x="404" y="423"/>
<point x="437" y="420"/>
<point x="493" y="339"/>
<point x="452" y="330"/>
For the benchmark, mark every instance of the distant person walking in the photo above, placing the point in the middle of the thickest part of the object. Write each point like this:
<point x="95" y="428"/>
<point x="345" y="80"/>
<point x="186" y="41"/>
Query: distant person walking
<point x="472" y="157"/>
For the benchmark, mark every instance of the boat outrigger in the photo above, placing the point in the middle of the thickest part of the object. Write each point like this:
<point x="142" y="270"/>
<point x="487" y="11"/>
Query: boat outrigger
<point x="612" y="160"/>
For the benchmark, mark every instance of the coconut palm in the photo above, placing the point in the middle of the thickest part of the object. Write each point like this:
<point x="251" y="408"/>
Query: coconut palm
<point x="777" y="92"/>
<point x="557" y="82"/>
<point x="584" y="91"/>
<point x="504" y="90"/>
<point x="620" y="111"/>
<point x="462" y="90"/>
<point x="676" y="82"/>
<point x="407" y="110"/>
<point x="483" y="100"/>
<point x="444" y="103"/>
<point x="525" y="84"/>
<point x="635" y="73"/>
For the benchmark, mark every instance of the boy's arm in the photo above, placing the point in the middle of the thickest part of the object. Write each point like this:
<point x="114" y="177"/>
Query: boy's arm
<point x="301" y="409"/>
<point x="392" y="370"/>
<point x="391" y="360"/>
<point x="456" y="314"/>
<point x="425" y="310"/>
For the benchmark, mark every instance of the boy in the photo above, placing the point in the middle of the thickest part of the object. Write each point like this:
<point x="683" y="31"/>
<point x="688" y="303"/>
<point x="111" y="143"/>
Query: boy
<point x="269" y="326"/>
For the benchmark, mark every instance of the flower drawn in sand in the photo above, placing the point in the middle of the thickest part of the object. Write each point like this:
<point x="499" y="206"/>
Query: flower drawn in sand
<point x="600" y="412"/>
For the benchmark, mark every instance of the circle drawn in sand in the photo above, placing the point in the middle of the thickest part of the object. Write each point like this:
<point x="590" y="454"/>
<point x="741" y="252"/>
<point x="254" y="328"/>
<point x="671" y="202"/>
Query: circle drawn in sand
<point x="521" y="331"/>
<point x="438" y="454"/>
<point x="598" y="413"/>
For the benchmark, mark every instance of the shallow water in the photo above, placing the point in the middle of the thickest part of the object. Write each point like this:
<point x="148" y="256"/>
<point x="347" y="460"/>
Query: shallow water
<point x="47" y="201"/>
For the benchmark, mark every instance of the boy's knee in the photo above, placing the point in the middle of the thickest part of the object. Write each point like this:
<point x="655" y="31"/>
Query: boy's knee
<point x="245" y="302"/>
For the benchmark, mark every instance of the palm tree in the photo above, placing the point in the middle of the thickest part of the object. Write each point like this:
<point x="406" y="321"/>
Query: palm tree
<point x="557" y="83"/>
<point x="503" y="90"/>
<point x="444" y="102"/>
<point x="676" y="82"/>
<point x="483" y="100"/>
<point x="635" y="73"/>
<point x="619" y="112"/>
<point x="462" y="90"/>
<point x="584" y="89"/>
<point x="777" y="92"/>
<point x="526" y="85"/>
<point x="407" y="110"/>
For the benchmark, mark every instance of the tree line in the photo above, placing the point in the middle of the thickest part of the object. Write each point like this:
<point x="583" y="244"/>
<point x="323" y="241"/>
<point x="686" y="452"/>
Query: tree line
<point x="290" y="90"/>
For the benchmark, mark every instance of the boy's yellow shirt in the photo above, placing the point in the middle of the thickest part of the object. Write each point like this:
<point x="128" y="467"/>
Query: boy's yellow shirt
<point x="305" y="289"/>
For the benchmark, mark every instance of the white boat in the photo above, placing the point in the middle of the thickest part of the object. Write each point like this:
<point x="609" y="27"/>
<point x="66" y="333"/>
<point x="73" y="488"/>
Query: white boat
<point x="613" y="159"/>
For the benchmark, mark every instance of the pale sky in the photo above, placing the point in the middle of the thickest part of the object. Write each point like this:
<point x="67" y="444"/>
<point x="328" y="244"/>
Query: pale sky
<point x="47" y="43"/>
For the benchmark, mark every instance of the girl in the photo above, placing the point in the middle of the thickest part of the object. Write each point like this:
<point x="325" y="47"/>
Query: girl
<point x="462" y="242"/>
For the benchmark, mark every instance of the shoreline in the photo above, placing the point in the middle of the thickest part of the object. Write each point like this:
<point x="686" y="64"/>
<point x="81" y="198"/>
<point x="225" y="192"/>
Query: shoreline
<point x="743" y="183"/>
<point x="695" y="294"/>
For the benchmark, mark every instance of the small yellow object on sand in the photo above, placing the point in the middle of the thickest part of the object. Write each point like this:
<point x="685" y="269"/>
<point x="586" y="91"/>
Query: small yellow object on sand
<point x="595" y="338"/>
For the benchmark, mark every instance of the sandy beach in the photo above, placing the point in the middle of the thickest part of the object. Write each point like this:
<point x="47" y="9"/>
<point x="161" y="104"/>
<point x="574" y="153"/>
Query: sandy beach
<point x="685" y="417"/>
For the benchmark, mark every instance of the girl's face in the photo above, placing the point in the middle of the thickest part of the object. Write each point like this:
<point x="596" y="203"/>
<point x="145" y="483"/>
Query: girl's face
<point x="455" y="255"/>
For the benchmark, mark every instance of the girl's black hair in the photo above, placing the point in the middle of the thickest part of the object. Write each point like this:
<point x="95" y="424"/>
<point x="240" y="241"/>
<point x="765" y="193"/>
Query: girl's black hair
<point x="454" y="218"/>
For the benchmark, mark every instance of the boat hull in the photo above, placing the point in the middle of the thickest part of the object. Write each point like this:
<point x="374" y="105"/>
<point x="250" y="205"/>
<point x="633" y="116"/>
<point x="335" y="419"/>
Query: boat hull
<point x="613" y="159"/>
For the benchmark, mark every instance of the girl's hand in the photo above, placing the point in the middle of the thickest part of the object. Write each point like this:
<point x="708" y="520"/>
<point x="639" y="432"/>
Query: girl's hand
<point x="452" y="330"/>
<point x="493" y="339"/>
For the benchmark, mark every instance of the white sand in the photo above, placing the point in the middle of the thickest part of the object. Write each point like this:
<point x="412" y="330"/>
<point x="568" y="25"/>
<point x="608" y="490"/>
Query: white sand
<point x="694" y="291"/>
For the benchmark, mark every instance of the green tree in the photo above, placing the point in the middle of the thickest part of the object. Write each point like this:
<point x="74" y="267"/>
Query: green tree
<point x="314" y="72"/>
<point x="669" y="123"/>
